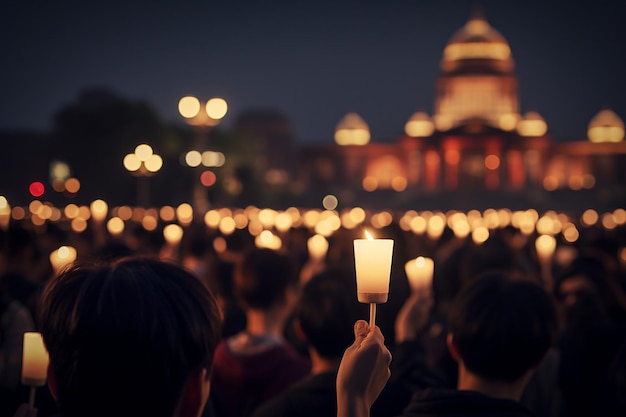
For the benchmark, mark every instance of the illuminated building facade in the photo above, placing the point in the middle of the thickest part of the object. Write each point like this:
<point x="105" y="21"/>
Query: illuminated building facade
<point x="477" y="148"/>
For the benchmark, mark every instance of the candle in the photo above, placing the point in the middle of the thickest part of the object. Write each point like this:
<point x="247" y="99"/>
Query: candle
<point x="34" y="360"/>
<point x="372" y="258"/>
<point x="419" y="272"/>
<point x="545" y="245"/>
<point x="61" y="257"/>
<point x="317" y="246"/>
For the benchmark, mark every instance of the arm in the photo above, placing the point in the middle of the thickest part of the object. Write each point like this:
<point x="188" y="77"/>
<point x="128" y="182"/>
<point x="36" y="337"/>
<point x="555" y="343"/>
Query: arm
<point x="363" y="372"/>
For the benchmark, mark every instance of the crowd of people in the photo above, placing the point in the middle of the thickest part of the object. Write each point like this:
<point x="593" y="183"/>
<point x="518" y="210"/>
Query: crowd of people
<point x="137" y="327"/>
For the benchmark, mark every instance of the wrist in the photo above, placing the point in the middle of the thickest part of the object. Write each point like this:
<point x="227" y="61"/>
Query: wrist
<point x="349" y="405"/>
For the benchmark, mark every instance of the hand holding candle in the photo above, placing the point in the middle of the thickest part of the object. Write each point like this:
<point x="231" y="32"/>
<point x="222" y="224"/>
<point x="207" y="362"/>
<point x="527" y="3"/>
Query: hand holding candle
<point x="34" y="363"/>
<point x="372" y="260"/>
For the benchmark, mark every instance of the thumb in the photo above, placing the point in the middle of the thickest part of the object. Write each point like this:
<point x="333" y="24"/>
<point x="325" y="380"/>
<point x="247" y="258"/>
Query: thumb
<point x="361" y="328"/>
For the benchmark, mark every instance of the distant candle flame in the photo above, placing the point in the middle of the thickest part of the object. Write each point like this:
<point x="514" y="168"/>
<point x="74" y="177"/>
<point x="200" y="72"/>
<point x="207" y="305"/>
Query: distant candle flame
<point x="368" y="235"/>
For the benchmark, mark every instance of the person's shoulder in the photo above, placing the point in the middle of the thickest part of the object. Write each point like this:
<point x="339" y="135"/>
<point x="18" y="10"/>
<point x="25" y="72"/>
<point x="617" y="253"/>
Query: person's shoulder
<point x="446" y="402"/>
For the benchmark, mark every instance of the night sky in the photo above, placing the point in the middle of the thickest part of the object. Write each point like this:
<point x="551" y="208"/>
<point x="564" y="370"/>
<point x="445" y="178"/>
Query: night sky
<point x="313" y="61"/>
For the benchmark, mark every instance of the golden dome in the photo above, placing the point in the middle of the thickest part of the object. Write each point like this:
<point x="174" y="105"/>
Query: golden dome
<point x="352" y="130"/>
<point x="532" y="124"/>
<point x="419" y="125"/>
<point x="477" y="40"/>
<point x="606" y="126"/>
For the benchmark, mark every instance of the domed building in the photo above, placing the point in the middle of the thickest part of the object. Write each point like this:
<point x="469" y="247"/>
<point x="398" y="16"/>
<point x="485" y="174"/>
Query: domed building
<point x="477" y="149"/>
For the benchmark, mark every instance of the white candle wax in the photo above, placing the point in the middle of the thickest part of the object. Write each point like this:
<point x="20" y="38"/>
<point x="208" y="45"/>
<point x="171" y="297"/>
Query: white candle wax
<point x="34" y="360"/>
<point x="372" y="259"/>
<point x="419" y="272"/>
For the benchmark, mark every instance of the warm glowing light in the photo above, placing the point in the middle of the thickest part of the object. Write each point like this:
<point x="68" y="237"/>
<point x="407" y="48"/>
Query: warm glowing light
<point x="419" y="125"/>
<point x="532" y="124"/>
<point x="189" y="107"/>
<point x="72" y="185"/>
<point x="216" y="108"/>
<point x="419" y="272"/>
<point x="227" y="225"/>
<point x="149" y="223"/>
<point x="370" y="183"/>
<point x="550" y="183"/>
<point x="193" y="158"/>
<point x="131" y="162"/>
<point x="212" y="159"/>
<point x="184" y="213"/>
<point x="398" y="184"/>
<point x="545" y="246"/>
<point x="173" y="233"/>
<point x="606" y="126"/>
<point x="78" y="225"/>
<point x="266" y="239"/>
<point x="589" y="217"/>
<point x="480" y="235"/>
<point x="143" y="152"/>
<point x="115" y="226"/>
<point x="283" y="222"/>
<point x="35" y="360"/>
<point x="372" y="259"/>
<point x="317" y="246"/>
<point x="492" y="162"/>
<point x="61" y="257"/>
<point x="154" y="163"/>
<point x="99" y="209"/>
<point x="208" y="178"/>
<point x="212" y="219"/>
<point x="352" y="130"/>
<point x="608" y="221"/>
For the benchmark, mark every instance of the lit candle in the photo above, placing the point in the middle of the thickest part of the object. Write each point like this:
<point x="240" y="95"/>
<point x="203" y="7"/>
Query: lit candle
<point x="419" y="272"/>
<point x="545" y="245"/>
<point x="34" y="360"/>
<point x="372" y="260"/>
<point x="61" y="257"/>
<point x="318" y="246"/>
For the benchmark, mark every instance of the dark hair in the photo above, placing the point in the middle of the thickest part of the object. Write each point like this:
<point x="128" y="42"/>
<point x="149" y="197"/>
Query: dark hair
<point x="123" y="338"/>
<point x="262" y="276"/>
<point x="502" y="327"/>
<point x="327" y="310"/>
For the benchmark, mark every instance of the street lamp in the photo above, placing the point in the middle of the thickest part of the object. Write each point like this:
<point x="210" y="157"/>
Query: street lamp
<point x="143" y="163"/>
<point x="203" y="118"/>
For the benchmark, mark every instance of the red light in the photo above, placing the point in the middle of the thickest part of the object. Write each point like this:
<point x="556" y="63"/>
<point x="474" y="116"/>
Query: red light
<point x="36" y="189"/>
<point x="207" y="178"/>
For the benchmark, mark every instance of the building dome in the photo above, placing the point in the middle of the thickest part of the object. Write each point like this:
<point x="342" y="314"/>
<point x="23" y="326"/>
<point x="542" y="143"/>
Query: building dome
<point x="606" y="126"/>
<point x="477" y="47"/>
<point x="352" y="130"/>
<point x="532" y="124"/>
<point x="419" y="125"/>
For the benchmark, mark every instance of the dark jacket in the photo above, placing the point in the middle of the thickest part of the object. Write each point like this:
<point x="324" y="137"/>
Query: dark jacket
<point x="455" y="403"/>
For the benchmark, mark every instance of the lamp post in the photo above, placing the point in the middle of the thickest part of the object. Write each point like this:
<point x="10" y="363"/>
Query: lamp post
<point x="202" y="118"/>
<point x="143" y="163"/>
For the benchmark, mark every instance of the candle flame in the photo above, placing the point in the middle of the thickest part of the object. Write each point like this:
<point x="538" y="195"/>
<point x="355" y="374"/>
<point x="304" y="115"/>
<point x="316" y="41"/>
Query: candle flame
<point x="419" y="261"/>
<point x="368" y="235"/>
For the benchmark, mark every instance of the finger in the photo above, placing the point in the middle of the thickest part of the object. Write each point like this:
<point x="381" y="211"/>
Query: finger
<point x="361" y="328"/>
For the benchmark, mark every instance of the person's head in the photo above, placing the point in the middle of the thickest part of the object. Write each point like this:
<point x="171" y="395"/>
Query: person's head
<point x="135" y="337"/>
<point x="500" y="328"/>
<point x="327" y="310"/>
<point x="263" y="279"/>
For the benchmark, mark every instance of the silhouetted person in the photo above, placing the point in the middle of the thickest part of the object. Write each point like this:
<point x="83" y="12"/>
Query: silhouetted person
<point x="324" y="319"/>
<point x="258" y="363"/>
<point x="499" y="330"/>
<point x="134" y="338"/>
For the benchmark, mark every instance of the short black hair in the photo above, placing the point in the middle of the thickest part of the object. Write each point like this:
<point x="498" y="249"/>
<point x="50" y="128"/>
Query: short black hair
<point x="124" y="337"/>
<point x="327" y="310"/>
<point x="502" y="327"/>
<point x="262" y="277"/>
